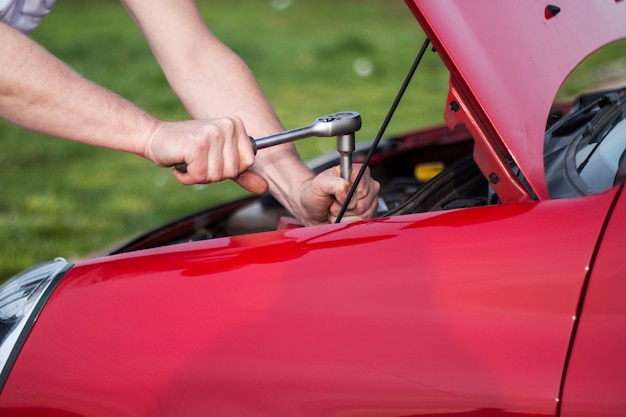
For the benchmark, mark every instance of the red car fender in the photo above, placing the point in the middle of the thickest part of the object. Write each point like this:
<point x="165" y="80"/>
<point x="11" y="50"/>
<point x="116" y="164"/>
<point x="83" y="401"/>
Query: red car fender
<point x="451" y="312"/>
<point x="594" y="381"/>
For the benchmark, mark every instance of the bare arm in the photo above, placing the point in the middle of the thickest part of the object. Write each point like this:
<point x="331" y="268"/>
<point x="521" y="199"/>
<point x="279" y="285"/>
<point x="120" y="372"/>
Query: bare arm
<point x="212" y="81"/>
<point x="39" y="92"/>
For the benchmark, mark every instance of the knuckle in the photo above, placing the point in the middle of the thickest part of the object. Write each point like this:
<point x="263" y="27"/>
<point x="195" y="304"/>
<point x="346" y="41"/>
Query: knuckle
<point x="228" y="125"/>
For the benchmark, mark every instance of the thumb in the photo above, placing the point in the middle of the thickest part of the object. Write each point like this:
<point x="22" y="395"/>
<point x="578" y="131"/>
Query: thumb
<point x="252" y="182"/>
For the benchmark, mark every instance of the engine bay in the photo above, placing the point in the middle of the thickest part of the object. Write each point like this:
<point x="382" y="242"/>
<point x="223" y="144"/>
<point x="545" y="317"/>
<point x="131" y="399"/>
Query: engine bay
<point x="420" y="171"/>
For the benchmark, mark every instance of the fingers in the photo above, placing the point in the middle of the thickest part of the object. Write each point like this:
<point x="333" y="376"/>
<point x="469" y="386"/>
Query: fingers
<point x="330" y="191"/>
<point x="363" y="203"/>
<point x="212" y="150"/>
<point x="219" y="149"/>
<point x="252" y="182"/>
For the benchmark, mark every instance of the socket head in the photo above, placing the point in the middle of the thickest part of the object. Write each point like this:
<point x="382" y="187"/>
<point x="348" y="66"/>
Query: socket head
<point x="342" y="123"/>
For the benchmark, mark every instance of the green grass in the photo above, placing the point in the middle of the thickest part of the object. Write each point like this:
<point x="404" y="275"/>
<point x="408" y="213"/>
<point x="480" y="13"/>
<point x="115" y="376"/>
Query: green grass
<point x="66" y="199"/>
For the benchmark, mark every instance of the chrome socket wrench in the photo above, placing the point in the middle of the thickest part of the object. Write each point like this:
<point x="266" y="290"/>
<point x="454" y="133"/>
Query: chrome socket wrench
<point x="342" y="124"/>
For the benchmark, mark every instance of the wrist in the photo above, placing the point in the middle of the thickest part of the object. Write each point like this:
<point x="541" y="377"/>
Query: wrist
<point x="288" y="177"/>
<point x="147" y="138"/>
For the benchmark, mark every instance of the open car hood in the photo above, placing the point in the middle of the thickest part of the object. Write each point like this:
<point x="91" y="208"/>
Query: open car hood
<point x="507" y="62"/>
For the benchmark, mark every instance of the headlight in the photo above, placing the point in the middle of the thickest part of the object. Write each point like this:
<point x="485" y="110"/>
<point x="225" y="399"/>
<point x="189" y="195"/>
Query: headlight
<point x="21" y="299"/>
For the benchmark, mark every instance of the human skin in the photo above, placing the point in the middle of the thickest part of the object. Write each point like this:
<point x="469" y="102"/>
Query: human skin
<point x="41" y="93"/>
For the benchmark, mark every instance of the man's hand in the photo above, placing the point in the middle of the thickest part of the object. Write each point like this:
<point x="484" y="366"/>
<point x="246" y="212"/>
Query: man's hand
<point x="322" y="197"/>
<point x="211" y="81"/>
<point x="213" y="150"/>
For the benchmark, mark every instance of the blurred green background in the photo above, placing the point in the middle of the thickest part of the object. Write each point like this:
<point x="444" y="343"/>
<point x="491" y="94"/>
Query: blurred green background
<point x="311" y="57"/>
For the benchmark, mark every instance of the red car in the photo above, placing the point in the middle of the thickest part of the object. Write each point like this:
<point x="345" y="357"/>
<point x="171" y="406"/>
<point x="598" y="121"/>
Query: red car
<point x="493" y="289"/>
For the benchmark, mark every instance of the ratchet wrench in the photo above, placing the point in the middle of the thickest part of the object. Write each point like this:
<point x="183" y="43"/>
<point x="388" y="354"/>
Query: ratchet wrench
<point x="341" y="124"/>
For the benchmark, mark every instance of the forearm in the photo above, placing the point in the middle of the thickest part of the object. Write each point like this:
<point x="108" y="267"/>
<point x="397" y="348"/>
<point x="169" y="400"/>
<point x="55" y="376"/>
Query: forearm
<point x="212" y="90"/>
<point x="212" y="81"/>
<point x="40" y="93"/>
<point x="279" y="165"/>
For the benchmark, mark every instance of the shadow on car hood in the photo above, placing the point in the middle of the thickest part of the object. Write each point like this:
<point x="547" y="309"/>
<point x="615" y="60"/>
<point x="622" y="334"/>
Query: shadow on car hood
<point x="507" y="63"/>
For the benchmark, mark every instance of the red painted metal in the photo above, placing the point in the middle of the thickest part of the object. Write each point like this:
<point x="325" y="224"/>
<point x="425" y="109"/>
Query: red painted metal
<point x="596" y="381"/>
<point x="507" y="64"/>
<point x="460" y="313"/>
<point x="467" y="312"/>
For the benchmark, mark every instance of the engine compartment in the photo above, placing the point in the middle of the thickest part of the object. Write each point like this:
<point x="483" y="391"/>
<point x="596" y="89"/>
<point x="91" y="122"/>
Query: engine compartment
<point x="419" y="171"/>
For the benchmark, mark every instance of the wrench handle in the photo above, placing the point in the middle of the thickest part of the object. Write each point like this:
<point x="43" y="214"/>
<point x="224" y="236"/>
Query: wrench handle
<point x="342" y="124"/>
<point x="182" y="167"/>
<point x="267" y="141"/>
<point x="284" y="137"/>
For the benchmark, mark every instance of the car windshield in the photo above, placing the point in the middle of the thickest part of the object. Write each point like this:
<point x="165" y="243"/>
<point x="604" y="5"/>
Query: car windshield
<point x="601" y="160"/>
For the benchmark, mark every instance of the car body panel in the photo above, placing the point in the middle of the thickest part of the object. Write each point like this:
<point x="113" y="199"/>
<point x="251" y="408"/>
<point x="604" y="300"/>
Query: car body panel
<point x="508" y="308"/>
<point x="279" y="323"/>
<point x="507" y="63"/>
<point x="598" y="350"/>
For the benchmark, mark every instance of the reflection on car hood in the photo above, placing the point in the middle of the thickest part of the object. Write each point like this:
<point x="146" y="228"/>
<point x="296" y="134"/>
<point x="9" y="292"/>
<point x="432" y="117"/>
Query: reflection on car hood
<point x="507" y="63"/>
